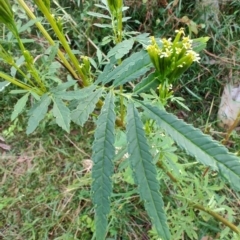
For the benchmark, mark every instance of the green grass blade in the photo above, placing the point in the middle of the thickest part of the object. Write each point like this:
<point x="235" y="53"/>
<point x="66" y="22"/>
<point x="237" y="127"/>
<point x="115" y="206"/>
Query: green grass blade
<point x="85" y="107"/>
<point x="62" y="114"/>
<point x="103" y="154"/>
<point x="145" y="173"/>
<point x="38" y="112"/>
<point x="199" y="145"/>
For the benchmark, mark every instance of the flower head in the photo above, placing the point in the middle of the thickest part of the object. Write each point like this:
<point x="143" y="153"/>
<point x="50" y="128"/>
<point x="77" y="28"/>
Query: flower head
<point x="171" y="59"/>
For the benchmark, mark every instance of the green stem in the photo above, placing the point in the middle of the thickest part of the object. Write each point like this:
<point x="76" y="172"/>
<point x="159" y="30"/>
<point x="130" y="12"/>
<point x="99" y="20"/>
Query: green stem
<point x="231" y="128"/>
<point x="48" y="38"/>
<point x="199" y="206"/>
<point x="119" y="25"/>
<point x="63" y="40"/>
<point x="216" y="216"/>
<point x="28" y="61"/>
<point x="22" y="73"/>
<point x="20" y="84"/>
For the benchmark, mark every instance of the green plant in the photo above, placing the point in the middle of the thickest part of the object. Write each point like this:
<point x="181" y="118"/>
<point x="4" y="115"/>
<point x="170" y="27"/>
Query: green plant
<point x="136" y="112"/>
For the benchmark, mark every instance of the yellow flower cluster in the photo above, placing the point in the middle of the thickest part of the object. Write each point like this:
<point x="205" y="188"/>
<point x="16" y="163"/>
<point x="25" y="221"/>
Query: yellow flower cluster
<point x="171" y="59"/>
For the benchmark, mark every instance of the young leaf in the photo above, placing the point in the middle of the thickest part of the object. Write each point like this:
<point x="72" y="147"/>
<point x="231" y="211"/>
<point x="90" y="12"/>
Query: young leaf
<point x="147" y="83"/>
<point x="85" y="107"/>
<point x="145" y="173"/>
<point x="21" y="103"/>
<point x="38" y="112"/>
<point x="121" y="49"/>
<point x="62" y="114"/>
<point x="199" y="145"/>
<point x="103" y="154"/>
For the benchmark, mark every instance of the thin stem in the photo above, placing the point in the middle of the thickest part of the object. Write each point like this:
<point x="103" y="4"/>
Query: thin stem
<point x="160" y="165"/>
<point x="63" y="41"/>
<point x="235" y="123"/>
<point x="199" y="206"/>
<point x="119" y="25"/>
<point x="49" y="39"/>
<point x="29" y="63"/>
<point x="20" y="84"/>
<point x="217" y="216"/>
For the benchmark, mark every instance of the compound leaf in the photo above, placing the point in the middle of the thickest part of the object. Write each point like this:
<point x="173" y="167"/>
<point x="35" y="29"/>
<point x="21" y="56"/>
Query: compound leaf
<point x="38" y="112"/>
<point x="103" y="154"/>
<point x="199" y="145"/>
<point x="62" y="114"/>
<point x="144" y="172"/>
<point x="85" y="107"/>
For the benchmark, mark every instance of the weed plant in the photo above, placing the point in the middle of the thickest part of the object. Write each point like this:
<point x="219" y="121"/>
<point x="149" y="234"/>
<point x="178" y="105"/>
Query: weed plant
<point x="49" y="188"/>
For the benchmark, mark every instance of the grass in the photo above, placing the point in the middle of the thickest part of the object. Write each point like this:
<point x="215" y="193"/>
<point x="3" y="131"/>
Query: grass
<point x="45" y="178"/>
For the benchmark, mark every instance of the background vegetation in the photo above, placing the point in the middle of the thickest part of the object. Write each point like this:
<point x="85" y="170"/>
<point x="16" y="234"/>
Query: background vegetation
<point x="46" y="176"/>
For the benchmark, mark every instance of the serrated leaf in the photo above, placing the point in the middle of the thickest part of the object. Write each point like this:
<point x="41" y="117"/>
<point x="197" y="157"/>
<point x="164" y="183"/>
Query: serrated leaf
<point x="103" y="154"/>
<point x="130" y="69"/>
<point x="143" y="39"/>
<point x="38" y="112"/>
<point x="106" y="71"/>
<point x="150" y="82"/>
<point x="145" y="173"/>
<point x="19" y="106"/>
<point x="63" y="86"/>
<point x="201" y="146"/>
<point x="121" y="49"/>
<point x="77" y="94"/>
<point x="99" y="15"/>
<point x="85" y="107"/>
<point x="62" y="114"/>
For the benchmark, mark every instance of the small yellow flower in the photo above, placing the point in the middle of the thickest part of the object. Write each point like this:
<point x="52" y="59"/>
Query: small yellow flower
<point x="181" y="31"/>
<point x="173" y="58"/>
<point x="193" y="55"/>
